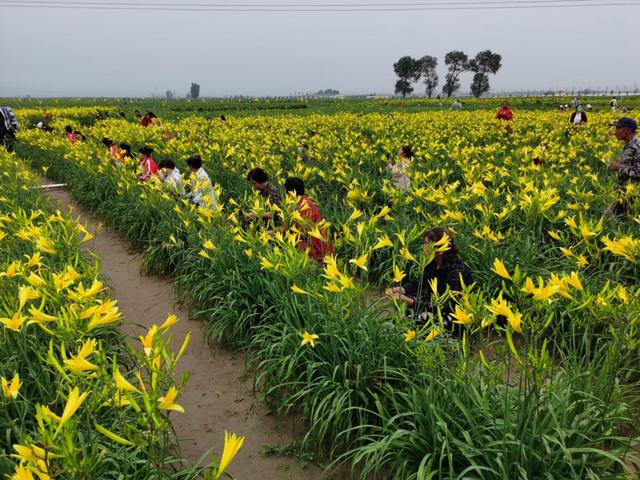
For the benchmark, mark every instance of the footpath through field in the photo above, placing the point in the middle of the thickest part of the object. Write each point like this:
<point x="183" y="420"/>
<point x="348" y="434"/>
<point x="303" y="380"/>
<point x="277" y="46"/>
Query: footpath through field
<point x="217" y="396"/>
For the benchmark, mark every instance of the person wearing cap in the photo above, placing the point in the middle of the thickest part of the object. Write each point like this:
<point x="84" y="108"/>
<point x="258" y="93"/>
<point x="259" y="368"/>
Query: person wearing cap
<point x="202" y="193"/>
<point x="628" y="166"/>
<point x="578" y="116"/>
<point x="148" y="166"/>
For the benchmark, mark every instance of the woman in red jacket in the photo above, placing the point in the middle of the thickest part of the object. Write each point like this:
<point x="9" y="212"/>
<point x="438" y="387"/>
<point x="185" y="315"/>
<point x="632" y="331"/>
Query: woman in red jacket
<point x="308" y="210"/>
<point x="504" y="113"/>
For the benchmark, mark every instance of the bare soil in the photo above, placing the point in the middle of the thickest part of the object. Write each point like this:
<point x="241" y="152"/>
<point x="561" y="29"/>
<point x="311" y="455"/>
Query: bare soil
<point x="217" y="396"/>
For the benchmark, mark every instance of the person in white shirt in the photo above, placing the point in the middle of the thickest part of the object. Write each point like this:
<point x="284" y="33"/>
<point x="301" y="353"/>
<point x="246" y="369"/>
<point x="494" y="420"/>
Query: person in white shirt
<point x="202" y="193"/>
<point x="456" y="106"/>
<point x="399" y="170"/>
<point x="171" y="176"/>
<point x="578" y="116"/>
<point x="613" y="103"/>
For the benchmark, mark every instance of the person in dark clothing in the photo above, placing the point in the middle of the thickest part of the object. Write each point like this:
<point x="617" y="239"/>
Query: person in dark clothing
<point x="628" y="166"/>
<point x="578" y="116"/>
<point x="450" y="272"/>
<point x="259" y="180"/>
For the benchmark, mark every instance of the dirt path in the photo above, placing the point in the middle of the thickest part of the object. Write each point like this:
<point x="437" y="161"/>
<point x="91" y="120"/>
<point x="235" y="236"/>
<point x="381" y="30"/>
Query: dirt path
<point x="217" y="396"/>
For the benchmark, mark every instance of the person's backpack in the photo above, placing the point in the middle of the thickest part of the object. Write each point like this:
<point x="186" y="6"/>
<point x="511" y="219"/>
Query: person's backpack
<point x="9" y="119"/>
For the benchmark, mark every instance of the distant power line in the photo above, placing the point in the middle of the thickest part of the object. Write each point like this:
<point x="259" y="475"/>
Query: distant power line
<point x="320" y="7"/>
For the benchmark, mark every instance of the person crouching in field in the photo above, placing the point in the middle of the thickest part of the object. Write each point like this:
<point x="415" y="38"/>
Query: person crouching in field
<point x="504" y="112"/>
<point x="578" y="117"/>
<point x="201" y="193"/>
<point x="628" y="166"/>
<point x="449" y="271"/>
<point x="71" y="136"/>
<point x="168" y="172"/>
<point x="147" y="165"/>
<point x="259" y="180"/>
<point x="112" y="149"/>
<point x="399" y="170"/>
<point x="312" y="218"/>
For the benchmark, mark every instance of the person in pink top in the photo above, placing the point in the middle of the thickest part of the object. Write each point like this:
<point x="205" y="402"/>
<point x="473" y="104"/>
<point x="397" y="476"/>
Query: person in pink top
<point x="148" y="166"/>
<point x="71" y="136"/>
<point x="309" y="211"/>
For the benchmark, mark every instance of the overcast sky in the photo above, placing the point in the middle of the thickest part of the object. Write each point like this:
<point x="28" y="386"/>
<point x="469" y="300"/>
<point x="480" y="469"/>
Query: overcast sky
<point x="46" y="52"/>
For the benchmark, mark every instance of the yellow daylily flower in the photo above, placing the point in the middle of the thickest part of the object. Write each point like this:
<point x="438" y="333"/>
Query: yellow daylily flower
<point x="266" y="264"/>
<point x="169" y="322"/>
<point x="298" y="290"/>
<point x="409" y="335"/>
<point x="147" y="341"/>
<point x="81" y="293"/>
<point x="461" y="317"/>
<point x="35" y="280"/>
<point x="361" y="261"/>
<point x="398" y="274"/>
<point x="500" y="269"/>
<point x="309" y="338"/>
<point x="546" y="292"/>
<point x="433" y="334"/>
<point x="332" y="287"/>
<point x="515" y="320"/>
<point x="167" y="402"/>
<point x="574" y="280"/>
<point x="79" y="363"/>
<point x="39" y="317"/>
<point x="22" y="473"/>
<point x="74" y="402"/>
<point x="26" y="293"/>
<point x="44" y="245"/>
<point x="121" y="383"/>
<point x="232" y="445"/>
<point x="11" y="389"/>
<point x="404" y="251"/>
<point x="14" y="323"/>
<point x="383" y="242"/>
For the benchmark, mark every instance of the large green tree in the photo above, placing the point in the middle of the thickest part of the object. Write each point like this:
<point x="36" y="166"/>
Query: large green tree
<point x="408" y="71"/>
<point x="428" y="73"/>
<point x="194" y="92"/>
<point x="485" y="63"/>
<point x="457" y="62"/>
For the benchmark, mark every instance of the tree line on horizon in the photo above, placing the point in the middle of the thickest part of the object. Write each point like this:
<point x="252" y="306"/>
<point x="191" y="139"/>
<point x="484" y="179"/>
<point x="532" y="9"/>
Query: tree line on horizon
<point x="410" y="70"/>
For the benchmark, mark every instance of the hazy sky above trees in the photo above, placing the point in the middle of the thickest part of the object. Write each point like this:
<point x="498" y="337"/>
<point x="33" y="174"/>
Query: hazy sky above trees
<point x="47" y="52"/>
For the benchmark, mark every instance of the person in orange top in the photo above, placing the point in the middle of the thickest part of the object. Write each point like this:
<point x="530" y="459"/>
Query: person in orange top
<point x="308" y="210"/>
<point x="111" y="147"/>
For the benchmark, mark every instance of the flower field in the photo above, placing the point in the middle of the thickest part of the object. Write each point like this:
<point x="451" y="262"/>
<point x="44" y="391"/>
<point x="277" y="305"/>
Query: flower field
<point x="542" y="382"/>
<point x="77" y="401"/>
